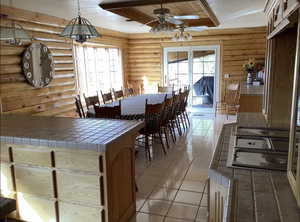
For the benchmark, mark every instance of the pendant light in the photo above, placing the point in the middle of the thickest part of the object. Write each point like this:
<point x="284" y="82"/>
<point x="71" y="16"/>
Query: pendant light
<point x="80" y="29"/>
<point x="13" y="33"/>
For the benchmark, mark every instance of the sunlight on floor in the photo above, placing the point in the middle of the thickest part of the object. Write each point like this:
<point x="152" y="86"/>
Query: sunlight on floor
<point x="174" y="187"/>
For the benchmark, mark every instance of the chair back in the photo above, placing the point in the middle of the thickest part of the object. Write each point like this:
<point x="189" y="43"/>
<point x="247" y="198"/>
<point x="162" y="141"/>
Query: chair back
<point x="129" y="92"/>
<point x="91" y="100"/>
<point x="109" y="112"/>
<point x="79" y="107"/>
<point x="153" y="117"/>
<point x="165" y="89"/>
<point x="118" y="94"/>
<point x="232" y="94"/>
<point x="107" y="97"/>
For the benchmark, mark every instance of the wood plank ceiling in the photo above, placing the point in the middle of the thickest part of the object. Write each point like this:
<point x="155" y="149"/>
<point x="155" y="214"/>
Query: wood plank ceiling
<point x="142" y="10"/>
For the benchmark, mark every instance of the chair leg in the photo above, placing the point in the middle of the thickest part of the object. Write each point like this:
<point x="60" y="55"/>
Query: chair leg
<point x="185" y="122"/>
<point x="187" y="117"/>
<point x="178" y="126"/>
<point x="162" y="143"/>
<point x="147" y="147"/>
<point x="172" y="133"/>
<point x="166" y="135"/>
<point x="182" y="121"/>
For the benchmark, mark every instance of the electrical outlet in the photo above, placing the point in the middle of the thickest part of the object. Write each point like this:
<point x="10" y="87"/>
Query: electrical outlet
<point x="226" y="76"/>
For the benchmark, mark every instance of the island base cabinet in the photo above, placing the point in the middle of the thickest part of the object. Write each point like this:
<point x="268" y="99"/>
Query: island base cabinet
<point x="70" y="185"/>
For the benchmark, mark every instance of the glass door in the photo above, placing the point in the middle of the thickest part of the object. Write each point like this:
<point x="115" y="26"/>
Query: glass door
<point x="196" y="67"/>
<point x="177" y="69"/>
<point x="203" y="80"/>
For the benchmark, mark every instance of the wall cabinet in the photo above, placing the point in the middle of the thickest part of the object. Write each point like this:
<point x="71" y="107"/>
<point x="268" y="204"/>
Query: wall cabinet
<point x="294" y="157"/>
<point x="282" y="91"/>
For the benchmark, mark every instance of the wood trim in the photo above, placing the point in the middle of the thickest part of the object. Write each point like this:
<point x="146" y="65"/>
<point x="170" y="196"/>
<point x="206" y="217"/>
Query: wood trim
<point x="207" y="9"/>
<point x="129" y="4"/>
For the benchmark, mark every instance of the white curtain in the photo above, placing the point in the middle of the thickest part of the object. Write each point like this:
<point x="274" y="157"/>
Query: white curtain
<point x="98" y="69"/>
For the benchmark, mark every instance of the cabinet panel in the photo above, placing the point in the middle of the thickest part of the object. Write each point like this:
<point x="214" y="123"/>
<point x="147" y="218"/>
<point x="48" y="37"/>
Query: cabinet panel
<point x="34" y="181"/>
<point x="36" y="209"/>
<point x="79" y="188"/>
<point x="32" y="156"/>
<point x="76" y="161"/>
<point x="78" y="213"/>
<point x="6" y="180"/>
<point x="4" y="152"/>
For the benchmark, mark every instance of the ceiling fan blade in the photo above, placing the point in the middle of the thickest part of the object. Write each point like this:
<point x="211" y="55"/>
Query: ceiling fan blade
<point x="154" y="20"/>
<point x="173" y="21"/>
<point x="195" y="28"/>
<point x="186" y="17"/>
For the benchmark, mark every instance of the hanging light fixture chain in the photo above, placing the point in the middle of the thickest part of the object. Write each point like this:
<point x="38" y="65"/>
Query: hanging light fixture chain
<point x="78" y="5"/>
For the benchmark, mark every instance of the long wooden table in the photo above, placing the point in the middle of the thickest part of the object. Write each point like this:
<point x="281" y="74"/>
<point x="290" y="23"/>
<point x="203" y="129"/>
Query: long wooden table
<point x="135" y="105"/>
<point x="70" y="170"/>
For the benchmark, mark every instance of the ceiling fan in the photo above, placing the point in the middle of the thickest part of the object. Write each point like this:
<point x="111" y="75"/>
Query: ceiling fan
<point x="164" y="19"/>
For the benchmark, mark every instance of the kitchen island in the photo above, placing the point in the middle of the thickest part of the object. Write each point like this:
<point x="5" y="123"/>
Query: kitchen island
<point x="66" y="169"/>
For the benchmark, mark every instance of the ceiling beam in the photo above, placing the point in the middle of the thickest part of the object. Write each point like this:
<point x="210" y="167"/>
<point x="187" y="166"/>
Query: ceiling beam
<point x="199" y="22"/>
<point x="207" y="9"/>
<point x="134" y="15"/>
<point x="130" y="4"/>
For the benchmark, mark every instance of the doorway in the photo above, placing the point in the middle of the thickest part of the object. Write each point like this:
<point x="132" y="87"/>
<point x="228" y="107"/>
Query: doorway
<point x="198" y="68"/>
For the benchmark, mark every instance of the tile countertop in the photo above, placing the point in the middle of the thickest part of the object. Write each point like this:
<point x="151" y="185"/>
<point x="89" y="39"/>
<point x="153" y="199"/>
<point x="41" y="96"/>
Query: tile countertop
<point x="251" y="89"/>
<point x="93" y="134"/>
<point x="262" y="195"/>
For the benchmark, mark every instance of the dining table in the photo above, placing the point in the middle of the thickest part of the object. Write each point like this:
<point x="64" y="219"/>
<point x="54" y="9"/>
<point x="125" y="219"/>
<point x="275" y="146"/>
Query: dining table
<point x="133" y="107"/>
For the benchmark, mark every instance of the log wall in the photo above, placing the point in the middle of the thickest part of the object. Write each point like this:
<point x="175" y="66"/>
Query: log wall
<point x="237" y="46"/>
<point x="57" y="99"/>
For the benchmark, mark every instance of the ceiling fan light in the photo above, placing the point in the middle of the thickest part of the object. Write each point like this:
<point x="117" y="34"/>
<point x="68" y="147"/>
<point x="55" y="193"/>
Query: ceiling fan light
<point x="182" y="36"/>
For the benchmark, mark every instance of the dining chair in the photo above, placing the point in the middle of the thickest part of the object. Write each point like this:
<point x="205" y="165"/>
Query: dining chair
<point x="118" y="94"/>
<point x="181" y="113"/>
<point x="165" y="89"/>
<point x="79" y="107"/>
<point x="174" y="120"/>
<point x="109" y="112"/>
<point x="91" y="100"/>
<point x="153" y="122"/>
<point x="230" y="101"/>
<point x="107" y="97"/>
<point x="166" y="125"/>
<point x="129" y="92"/>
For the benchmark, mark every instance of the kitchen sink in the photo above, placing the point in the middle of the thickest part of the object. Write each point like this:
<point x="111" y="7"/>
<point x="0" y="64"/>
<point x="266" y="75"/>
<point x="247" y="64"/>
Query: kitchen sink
<point x="261" y="148"/>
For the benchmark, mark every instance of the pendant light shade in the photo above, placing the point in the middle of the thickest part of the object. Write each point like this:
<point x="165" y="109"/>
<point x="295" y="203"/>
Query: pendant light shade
<point x="80" y="29"/>
<point x="162" y="28"/>
<point x="14" y="34"/>
<point x="182" y="36"/>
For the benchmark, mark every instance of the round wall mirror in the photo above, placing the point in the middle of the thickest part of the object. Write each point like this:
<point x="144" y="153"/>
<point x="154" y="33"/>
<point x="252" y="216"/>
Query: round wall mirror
<point x="38" y="65"/>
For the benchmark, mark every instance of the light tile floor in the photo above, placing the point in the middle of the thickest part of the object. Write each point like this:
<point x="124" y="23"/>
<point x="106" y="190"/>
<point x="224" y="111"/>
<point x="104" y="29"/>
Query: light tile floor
<point x="173" y="188"/>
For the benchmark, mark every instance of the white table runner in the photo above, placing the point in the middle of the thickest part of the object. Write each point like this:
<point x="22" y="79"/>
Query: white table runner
<point x="135" y="105"/>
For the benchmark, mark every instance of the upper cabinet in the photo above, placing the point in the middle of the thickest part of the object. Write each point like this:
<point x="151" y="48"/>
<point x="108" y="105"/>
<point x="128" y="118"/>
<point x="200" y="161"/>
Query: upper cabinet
<point x="279" y="12"/>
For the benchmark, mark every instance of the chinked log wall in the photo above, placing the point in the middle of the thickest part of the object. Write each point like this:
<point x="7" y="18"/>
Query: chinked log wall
<point x="57" y="99"/>
<point x="145" y="58"/>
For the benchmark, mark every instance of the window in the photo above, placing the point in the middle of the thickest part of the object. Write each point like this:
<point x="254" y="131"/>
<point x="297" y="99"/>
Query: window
<point x="98" y="69"/>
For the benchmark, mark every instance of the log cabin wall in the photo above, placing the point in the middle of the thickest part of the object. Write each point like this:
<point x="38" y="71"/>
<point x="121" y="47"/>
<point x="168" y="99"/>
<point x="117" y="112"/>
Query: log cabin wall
<point x="145" y="55"/>
<point x="57" y="99"/>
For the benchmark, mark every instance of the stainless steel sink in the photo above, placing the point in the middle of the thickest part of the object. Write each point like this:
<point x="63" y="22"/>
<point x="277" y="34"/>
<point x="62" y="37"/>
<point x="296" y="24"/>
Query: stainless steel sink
<point x="261" y="148"/>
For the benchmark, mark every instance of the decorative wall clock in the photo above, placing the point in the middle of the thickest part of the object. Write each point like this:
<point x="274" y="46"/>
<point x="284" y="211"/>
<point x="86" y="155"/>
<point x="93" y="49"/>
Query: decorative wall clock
<point x="38" y="65"/>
